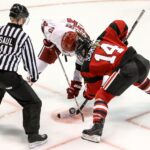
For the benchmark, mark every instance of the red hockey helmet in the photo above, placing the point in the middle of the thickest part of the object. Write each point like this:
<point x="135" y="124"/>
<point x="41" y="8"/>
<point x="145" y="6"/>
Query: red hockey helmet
<point x="69" y="42"/>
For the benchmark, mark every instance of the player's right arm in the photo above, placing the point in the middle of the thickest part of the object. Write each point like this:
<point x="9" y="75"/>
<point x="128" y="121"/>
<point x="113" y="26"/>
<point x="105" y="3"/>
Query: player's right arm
<point x="29" y="60"/>
<point x="47" y="55"/>
<point x="92" y="84"/>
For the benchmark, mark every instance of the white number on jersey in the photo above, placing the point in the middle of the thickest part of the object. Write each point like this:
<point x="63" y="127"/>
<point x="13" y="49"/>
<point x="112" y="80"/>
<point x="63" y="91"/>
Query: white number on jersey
<point x="109" y="49"/>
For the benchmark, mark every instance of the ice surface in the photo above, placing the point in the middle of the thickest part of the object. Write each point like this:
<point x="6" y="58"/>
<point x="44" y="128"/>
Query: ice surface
<point x="127" y="125"/>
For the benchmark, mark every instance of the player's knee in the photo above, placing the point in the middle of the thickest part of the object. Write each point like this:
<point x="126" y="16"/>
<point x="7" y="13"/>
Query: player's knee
<point x="104" y="95"/>
<point x="36" y="102"/>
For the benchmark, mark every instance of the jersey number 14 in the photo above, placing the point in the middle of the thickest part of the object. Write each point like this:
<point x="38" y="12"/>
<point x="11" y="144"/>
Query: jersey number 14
<point x="109" y="49"/>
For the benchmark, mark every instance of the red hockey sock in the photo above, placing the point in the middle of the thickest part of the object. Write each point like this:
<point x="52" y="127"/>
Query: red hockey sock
<point x="145" y="85"/>
<point x="99" y="111"/>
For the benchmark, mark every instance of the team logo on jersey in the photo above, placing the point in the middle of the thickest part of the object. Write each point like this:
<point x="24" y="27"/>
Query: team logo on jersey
<point x="51" y="29"/>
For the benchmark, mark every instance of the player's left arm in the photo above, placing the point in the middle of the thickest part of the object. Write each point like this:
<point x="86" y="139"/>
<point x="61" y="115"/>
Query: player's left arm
<point x="92" y="85"/>
<point x="76" y="83"/>
<point x="91" y="89"/>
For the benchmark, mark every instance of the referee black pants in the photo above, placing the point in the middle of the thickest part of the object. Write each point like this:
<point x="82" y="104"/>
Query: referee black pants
<point x="22" y="92"/>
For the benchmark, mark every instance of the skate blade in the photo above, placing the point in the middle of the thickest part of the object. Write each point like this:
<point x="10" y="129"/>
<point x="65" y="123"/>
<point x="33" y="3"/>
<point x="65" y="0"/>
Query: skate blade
<point x="36" y="144"/>
<point x="92" y="138"/>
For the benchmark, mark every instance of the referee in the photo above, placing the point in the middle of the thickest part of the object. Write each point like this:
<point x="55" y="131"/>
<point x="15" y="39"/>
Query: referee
<point x="15" y="45"/>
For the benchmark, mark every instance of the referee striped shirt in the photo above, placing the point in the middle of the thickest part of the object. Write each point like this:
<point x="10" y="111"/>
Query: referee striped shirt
<point x="15" y="45"/>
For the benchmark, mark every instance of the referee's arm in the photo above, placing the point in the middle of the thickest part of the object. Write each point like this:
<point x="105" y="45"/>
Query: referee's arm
<point x="29" y="60"/>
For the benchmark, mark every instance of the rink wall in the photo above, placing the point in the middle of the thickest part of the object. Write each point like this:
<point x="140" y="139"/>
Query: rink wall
<point x="46" y="3"/>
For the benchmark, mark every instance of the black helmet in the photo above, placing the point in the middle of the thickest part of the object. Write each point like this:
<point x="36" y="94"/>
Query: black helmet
<point x="18" y="11"/>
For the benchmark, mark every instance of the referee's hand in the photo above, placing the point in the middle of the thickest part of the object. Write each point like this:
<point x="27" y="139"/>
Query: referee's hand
<point x="29" y="80"/>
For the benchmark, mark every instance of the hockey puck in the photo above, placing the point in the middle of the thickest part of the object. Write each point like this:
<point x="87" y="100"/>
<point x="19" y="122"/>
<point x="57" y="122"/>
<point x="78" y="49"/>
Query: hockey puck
<point x="58" y="115"/>
<point x="72" y="110"/>
<point x="69" y="113"/>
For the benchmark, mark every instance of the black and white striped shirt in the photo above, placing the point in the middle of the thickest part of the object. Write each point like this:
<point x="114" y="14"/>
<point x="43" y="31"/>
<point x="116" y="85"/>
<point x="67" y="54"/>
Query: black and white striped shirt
<point x="15" y="45"/>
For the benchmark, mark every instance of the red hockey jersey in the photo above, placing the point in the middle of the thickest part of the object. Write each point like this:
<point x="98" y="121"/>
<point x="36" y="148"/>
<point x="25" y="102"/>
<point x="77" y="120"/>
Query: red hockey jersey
<point x="106" y="55"/>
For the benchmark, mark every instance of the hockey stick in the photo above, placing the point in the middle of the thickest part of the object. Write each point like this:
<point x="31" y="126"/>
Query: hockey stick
<point x="135" y="23"/>
<point x="82" y="116"/>
<point x="132" y="28"/>
<point x="81" y="107"/>
<point x="72" y="111"/>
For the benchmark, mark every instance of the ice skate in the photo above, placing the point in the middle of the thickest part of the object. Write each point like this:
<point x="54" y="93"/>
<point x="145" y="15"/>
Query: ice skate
<point x="94" y="134"/>
<point x="36" y="140"/>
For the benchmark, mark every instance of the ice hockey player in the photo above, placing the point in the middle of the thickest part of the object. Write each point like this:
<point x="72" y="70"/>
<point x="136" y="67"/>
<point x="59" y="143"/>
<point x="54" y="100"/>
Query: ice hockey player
<point x="15" y="45"/>
<point x="111" y="56"/>
<point x="65" y="36"/>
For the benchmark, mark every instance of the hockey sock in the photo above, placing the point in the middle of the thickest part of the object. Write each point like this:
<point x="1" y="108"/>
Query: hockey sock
<point x="100" y="110"/>
<point x="145" y="85"/>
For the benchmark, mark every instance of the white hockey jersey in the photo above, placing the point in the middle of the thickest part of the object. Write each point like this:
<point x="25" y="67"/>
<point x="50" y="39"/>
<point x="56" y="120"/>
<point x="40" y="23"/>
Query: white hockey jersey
<point x="54" y="31"/>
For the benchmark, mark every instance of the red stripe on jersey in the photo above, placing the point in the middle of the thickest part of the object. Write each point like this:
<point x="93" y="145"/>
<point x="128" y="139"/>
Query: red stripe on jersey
<point x="111" y="78"/>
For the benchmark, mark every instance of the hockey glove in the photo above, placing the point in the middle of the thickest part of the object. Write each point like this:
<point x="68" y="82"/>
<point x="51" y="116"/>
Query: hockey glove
<point x="91" y="89"/>
<point x="88" y="96"/>
<point x="73" y="90"/>
<point x="47" y="43"/>
<point x="30" y="80"/>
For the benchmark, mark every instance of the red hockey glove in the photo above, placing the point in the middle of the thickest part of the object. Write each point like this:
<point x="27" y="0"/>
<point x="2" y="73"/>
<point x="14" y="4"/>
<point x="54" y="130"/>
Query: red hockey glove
<point x="47" y="43"/>
<point x="73" y="90"/>
<point x="48" y="52"/>
<point x="91" y="89"/>
<point x="88" y="96"/>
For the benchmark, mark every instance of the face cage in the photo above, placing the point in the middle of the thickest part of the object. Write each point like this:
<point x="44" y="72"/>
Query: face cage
<point x="83" y="46"/>
<point x="81" y="52"/>
<point x="80" y="58"/>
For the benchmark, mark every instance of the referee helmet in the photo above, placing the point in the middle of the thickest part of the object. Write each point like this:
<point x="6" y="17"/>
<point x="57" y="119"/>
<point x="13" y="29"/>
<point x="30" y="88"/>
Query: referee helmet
<point x="18" y="11"/>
